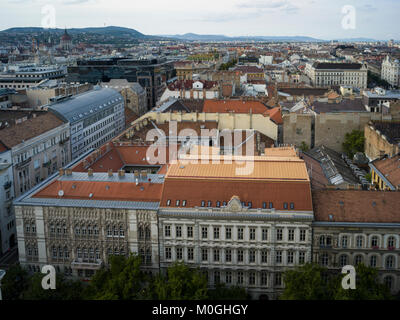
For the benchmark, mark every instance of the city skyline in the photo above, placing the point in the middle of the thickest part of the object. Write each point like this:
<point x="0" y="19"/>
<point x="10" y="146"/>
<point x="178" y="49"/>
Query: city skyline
<point x="230" y="18"/>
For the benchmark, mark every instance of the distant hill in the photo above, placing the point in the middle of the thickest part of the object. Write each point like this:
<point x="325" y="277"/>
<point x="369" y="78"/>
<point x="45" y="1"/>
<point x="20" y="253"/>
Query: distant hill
<point x="209" y="37"/>
<point x="105" y="31"/>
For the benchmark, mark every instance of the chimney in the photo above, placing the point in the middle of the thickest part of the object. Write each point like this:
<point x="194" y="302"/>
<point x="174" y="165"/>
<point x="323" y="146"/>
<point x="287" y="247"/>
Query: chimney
<point x="68" y="172"/>
<point x="61" y="171"/>
<point x="136" y="174"/>
<point x="110" y="172"/>
<point x="144" y="174"/>
<point x="90" y="172"/>
<point x="121" y="173"/>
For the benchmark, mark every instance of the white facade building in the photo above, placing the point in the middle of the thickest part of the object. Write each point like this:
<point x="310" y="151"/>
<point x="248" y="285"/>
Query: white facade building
<point x="391" y="71"/>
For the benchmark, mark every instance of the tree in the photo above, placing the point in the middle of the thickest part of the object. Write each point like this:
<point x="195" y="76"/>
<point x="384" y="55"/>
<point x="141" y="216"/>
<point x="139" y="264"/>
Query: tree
<point x="353" y="143"/>
<point x="124" y="280"/>
<point x="306" y="282"/>
<point x="14" y="283"/>
<point x="65" y="289"/>
<point x="180" y="283"/>
<point x="368" y="286"/>
<point x="304" y="147"/>
<point x="221" y="292"/>
<point x="313" y="282"/>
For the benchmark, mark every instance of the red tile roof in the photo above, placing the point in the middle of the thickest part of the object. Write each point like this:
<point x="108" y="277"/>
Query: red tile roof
<point x="237" y="106"/>
<point x="390" y="168"/>
<point x="356" y="206"/>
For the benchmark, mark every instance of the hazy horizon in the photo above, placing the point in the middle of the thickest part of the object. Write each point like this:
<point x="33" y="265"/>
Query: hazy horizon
<point x="308" y="18"/>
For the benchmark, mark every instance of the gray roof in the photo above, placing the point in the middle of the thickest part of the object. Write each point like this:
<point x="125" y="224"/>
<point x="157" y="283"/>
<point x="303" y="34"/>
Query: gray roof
<point x="394" y="94"/>
<point x="103" y="176"/>
<point x="346" y="105"/>
<point x="85" y="104"/>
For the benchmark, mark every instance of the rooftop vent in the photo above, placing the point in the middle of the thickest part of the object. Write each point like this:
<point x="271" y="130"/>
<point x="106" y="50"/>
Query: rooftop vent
<point x="60" y="193"/>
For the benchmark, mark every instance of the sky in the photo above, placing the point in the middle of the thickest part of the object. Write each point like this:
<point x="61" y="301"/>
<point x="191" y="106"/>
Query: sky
<point x="322" y="19"/>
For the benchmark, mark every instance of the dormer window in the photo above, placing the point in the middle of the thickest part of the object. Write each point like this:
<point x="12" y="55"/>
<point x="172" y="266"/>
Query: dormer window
<point x="168" y="202"/>
<point x="264" y="205"/>
<point x="203" y="203"/>
<point x="285" y="205"/>
<point x="208" y="203"/>
<point x="224" y="203"/>
<point x="271" y="205"/>
<point x="184" y="203"/>
<point x="249" y="204"/>
<point x="292" y="205"/>
<point x="218" y="204"/>
<point x="177" y="203"/>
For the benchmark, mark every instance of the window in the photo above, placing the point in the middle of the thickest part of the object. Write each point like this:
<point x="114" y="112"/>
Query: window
<point x="240" y="277"/>
<point x="343" y="260"/>
<point x="168" y="203"/>
<point x="204" y="254"/>
<point x="228" y="277"/>
<point x="204" y="232"/>
<point x="391" y="242"/>
<point x="372" y="261"/>
<point x="252" y="234"/>
<point x="216" y="232"/>
<point x="291" y="235"/>
<point x="216" y="277"/>
<point x="209" y="203"/>
<point x="279" y="234"/>
<point x="264" y="234"/>
<point x="302" y="257"/>
<point x="388" y="281"/>
<point x="189" y="232"/>
<point x="344" y="242"/>
<point x="285" y="205"/>
<point x="168" y="253"/>
<point x="228" y="255"/>
<point x="184" y="203"/>
<point x="167" y="230"/>
<point x="292" y="205"/>
<point x="240" y="233"/>
<point x="264" y="205"/>
<point x="218" y="204"/>
<point x="264" y="256"/>
<point x="264" y="278"/>
<point x="190" y="254"/>
<point x="178" y="231"/>
<point x="228" y="233"/>
<point x="216" y="255"/>
<point x="278" y="257"/>
<point x="271" y="205"/>
<point x="252" y="256"/>
<point x="323" y="259"/>
<point x="203" y="203"/>
<point x="389" y="263"/>
<point x="278" y="279"/>
<point x="177" y="203"/>
<point x="290" y="256"/>
<point x="249" y="204"/>
<point x="358" y="259"/>
<point x="240" y="255"/>
<point x="359" y="241"/>
<point x="179" y="253"/>
<point x="252" y="278"/>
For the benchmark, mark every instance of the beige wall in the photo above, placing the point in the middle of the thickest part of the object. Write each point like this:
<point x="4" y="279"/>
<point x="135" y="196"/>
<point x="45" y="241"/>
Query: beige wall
<point x="376" y="144"/>
<point x="297" y="128"/>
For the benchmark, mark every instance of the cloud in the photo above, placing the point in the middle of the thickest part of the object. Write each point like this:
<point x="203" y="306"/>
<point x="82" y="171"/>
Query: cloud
<point x="269" y="6"/>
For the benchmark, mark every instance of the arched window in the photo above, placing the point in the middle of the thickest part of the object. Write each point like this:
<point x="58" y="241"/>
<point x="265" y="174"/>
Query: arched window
<point x="60" y="252"/>
<point x="391" y="242"/>
<point x="141" y="233"/>
<point x="121" y="231"/>
<point x="66" y="252"/>
<point x="97" y="254"/>
<point x="358" y="259"/>
<point x="343" y="260"/>
<point x="374" y="241"/>
<point x="372" y="261"/>
<point x="79" y="253"/>
<point x="54" y="250"/>
<point x="389" y="262"/>
<point x="52" y="229"/>
<point x="322" y="241"/>
<point x="148" y="256"/>
<point x="147" y="232"/>
<point x="359" y="241"/>
<point x="58" y="229"/>
<point x="328" y="241"/>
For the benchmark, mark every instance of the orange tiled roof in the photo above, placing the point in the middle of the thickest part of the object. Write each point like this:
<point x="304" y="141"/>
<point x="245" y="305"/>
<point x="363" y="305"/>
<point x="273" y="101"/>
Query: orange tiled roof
<point x="390" y="168"/>
<point x="275" y="115"/>
<point x="237" y="106"/>
<point x="118" y="191"/>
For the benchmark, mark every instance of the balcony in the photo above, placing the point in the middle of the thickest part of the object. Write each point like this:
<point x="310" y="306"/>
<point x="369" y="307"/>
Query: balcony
<point x="7" y="185"/>
<point x="375" y="247"/>
<point x="391" y="248"/>
<point x="85" y="264"/>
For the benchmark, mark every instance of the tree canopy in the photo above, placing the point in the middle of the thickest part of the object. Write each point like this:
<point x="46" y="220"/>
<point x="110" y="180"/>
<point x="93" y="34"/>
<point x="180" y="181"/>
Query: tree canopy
<point x="353" y="143"/>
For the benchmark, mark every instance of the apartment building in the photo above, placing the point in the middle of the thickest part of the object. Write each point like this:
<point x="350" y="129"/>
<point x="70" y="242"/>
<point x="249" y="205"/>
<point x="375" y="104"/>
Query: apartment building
<point x="391" y="71"/>
<point x="94" y="118"/>
<point x="338" y="74"/>
<point x="39" y="145"/>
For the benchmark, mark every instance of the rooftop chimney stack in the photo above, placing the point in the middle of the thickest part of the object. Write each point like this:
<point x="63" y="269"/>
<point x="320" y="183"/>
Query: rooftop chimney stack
<point x="90" y="172"/>
<point x="110" y="172"/>
<point x="144" y="174"/>
<point x="121" y="173"/>
<point x="61" y="171"/>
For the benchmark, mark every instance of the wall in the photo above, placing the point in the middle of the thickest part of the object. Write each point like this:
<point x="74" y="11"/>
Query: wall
<point x="297" y="128"/>
<point x="376" y="144"/>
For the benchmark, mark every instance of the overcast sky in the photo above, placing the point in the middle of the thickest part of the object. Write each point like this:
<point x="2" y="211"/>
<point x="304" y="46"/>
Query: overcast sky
<point x="316" y="18"/>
